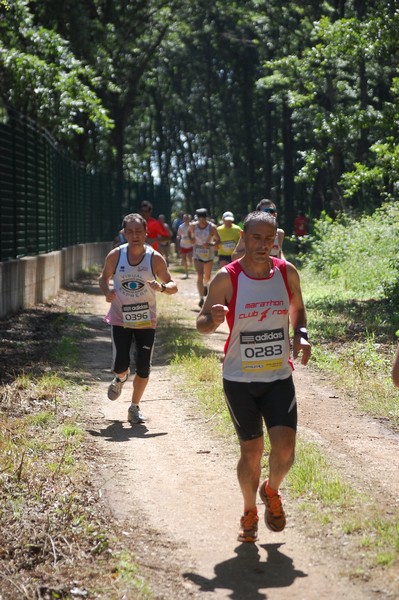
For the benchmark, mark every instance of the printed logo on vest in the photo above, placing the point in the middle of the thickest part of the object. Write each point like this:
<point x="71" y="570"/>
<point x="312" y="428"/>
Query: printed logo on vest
<point x="132" y="285"/>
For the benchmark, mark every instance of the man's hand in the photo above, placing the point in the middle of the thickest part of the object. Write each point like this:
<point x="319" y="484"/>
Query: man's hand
<point x="110" y="295"/>
<point x="155" y="285"/>
<point x="301" y="345"/>
<point x="215" y="308"/>
<point x="218" y="313"/>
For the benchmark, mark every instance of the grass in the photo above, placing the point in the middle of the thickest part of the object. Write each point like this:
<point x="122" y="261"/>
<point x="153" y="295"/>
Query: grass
<point x="203" y="380"/>
<point x="312" y="478"/>
<point x="350" y="282"/>
<point x="128" y="571"/>
<point x="354" y="343"/>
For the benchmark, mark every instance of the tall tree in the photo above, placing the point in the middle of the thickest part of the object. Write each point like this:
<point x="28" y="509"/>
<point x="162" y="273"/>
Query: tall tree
<point x="40" y="76"/>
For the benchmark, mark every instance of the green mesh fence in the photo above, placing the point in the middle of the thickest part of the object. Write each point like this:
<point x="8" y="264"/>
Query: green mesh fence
<point x="48" y="201"/>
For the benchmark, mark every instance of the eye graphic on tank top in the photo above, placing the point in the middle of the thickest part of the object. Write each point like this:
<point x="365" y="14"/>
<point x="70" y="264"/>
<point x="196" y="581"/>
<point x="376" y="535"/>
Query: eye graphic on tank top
<point x="133" y="285"/>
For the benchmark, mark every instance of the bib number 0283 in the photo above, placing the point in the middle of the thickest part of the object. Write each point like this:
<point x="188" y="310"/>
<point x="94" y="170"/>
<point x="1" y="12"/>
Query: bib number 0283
<point x="263" y="351"/>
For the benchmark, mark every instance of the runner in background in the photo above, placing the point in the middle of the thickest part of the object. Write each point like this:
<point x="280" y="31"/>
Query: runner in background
<point x="301" y="228"/>
<point x="119" y="239"/>
<point x="138" y="272"/>
<point x="269" y="207"/>
<point x="175" y="226"/>
<point x="155" y="231"/>
<point x="185" y="243"/>
<point x="229" y="234"/>
<point x="205" y="237"/>
<point x="164" y="243"/>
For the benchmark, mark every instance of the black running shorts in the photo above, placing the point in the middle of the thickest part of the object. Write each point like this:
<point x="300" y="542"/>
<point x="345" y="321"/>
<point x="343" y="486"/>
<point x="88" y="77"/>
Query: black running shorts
<point x="251" y="403"/>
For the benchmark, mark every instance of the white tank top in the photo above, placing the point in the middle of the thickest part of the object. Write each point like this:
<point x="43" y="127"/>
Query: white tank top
<point x="275" y="251"/>
<point x="135" y="304"/>
<point x="258" y="347"/>
<point x="201" y="237"/>
<point x="185" y="240"/>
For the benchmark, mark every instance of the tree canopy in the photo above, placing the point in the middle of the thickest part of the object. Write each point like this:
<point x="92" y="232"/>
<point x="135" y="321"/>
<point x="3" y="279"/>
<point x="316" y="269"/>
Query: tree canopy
<point x="225" y="102"/>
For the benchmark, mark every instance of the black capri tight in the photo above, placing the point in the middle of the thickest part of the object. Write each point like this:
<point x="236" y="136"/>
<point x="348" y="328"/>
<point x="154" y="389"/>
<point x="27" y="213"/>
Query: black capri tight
<point x="122" y="338"/>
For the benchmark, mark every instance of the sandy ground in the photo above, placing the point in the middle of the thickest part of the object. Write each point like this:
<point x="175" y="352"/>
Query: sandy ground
<point x="174" y="482"/>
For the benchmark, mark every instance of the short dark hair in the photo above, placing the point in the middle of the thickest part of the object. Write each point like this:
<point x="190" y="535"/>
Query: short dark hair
<point x="266" y="203"/>
<point x="146" y="204"/>
<point x="134" y="217"/>
<point x="201" y="212"/>
<point x="259" y="217"/>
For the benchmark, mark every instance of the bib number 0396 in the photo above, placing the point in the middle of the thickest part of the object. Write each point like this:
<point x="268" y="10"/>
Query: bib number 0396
<point x="136" y="316"/>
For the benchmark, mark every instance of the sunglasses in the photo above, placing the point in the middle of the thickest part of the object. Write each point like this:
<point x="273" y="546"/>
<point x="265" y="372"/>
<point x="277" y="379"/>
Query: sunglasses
<point x="269" y="210"/>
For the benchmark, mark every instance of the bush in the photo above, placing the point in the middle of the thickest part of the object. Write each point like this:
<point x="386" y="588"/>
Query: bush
<point x="359" y="253"/>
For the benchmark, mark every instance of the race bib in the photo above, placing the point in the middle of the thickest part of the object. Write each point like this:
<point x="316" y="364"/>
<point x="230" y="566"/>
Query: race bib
<point x="228" y="247"/>
<point x="136" y="316"/>
<point x="203" y="253"/>
<point x="262" y="350"/>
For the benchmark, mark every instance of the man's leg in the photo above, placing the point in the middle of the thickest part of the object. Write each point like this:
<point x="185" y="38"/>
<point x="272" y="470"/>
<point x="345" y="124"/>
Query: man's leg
<point x="121" y="342"/>
<point x="145" y="339"/>
<point x="184" y="256"/>
<point x="199" y="267"/>
<point x="247" y="421"/>
<point x="281" y="458"/>
<point x="248" y="473"/>
<point x="282" y="454"/>
<point x="249" y="470"/>
<point x="139" y="385"/>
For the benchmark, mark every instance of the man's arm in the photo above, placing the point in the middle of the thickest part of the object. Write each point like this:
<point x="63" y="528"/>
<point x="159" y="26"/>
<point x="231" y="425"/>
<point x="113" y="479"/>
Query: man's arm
<point x="107" y="273"/>
<point x="281" y="236"/>
<point x="214" y="311"/>
<point x="298" y="316"/>
<point x="191" y="232"/>
<point x="215" y="234"/>
<point x="167" y="285"/>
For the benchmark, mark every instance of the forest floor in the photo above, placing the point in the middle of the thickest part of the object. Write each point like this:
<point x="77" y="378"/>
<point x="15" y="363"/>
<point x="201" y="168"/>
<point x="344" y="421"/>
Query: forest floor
<point x="170" y="484"/>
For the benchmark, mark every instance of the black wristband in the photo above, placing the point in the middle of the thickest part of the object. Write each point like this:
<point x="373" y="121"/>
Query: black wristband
<point x="302" y="331"/>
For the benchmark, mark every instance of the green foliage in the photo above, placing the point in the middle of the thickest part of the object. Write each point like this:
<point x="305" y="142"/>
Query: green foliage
<point x="225" y="102"/>
<point x="351" y="289"/>
<point x="42" y="77"/>
<point x="360" y="254"/>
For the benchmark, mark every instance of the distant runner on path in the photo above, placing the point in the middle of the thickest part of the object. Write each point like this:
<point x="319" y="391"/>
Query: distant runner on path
<point x="138" y="272"/>
<point x="259" y="295"/>
<point x="205" y="238"/>
<point x="266" y="206"/>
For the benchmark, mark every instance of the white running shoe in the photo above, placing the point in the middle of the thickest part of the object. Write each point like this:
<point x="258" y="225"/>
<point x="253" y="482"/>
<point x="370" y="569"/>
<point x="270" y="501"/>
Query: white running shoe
<point x="134" y="415"/>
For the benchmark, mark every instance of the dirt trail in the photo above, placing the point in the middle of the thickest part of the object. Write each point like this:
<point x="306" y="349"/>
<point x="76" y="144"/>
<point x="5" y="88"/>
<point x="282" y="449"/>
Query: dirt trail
<point x="175" y="483"/>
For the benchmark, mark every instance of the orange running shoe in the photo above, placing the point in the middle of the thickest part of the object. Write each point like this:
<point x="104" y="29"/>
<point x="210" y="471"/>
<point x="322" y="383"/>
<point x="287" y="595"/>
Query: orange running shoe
<point x="248" y="531"/>
<point x="274" y="513"/>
